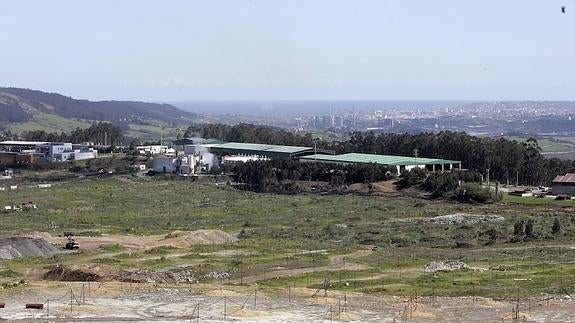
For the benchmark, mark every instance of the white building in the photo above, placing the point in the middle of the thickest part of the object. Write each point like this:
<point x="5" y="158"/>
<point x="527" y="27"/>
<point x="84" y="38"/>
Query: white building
<point x="181" y="165"/>
<point x="58" y="151"/>
<point x="155" y="150"/>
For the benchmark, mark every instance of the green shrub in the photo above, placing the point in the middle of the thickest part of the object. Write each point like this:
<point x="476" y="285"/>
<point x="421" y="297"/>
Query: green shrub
<point x="470" y="193"/>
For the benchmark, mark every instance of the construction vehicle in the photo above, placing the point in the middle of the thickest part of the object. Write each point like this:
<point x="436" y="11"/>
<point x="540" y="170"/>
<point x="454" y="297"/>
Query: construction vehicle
<point x="71" y="244"/>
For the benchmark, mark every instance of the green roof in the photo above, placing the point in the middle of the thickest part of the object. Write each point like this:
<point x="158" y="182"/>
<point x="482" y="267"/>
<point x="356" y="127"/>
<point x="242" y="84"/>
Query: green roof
<point x="379" y="159"/>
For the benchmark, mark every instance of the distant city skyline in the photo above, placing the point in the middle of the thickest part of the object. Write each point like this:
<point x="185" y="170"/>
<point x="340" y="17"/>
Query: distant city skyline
<point x="291" y="50"/>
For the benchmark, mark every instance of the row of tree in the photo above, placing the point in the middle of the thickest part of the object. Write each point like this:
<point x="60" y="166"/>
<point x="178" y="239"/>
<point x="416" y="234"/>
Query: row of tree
<point x="244" y="132"/>
<point x="507" y="161"/>
<point x="266" y="176"/>
<point x="101" y="133"/>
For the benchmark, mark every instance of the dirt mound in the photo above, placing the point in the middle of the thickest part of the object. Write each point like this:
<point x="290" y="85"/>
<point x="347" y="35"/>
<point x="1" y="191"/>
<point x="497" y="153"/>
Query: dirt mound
<point x="199" y="237"/>
<point x="342" y="316"/>
<point x="74" y="273"/>
<point x="464" y="218"/>
<point x="436" y="266"/>
<point x="385" y="186"/>
<point x="99" y="273"/>
<point x="240" y="311"/>
<point x="42" y="235"/>
<point x="22" y="247"/>
<point x="373" y="188"/>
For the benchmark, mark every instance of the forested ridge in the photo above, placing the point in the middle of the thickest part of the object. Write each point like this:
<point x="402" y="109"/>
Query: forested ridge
<point x="507" y="160"/>
<point x="20" y="105"/>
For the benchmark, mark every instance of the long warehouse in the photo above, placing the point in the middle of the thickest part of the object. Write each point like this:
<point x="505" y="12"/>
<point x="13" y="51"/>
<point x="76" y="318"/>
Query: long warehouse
<point x="400" y="162"/>
<point x="268" y="151"/>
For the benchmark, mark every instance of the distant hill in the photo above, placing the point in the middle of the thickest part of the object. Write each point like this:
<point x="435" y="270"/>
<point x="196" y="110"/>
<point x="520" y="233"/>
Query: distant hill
<point x="24" y="105"/>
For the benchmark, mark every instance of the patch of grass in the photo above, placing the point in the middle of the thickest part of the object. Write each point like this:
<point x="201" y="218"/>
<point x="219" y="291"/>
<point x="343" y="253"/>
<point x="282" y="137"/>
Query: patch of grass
<point x="281" y="228"/>
<point x="49" y="123"/>
<point x="108" y="261"/>
<point x="111" y="247"/>
<point x="532" y="200"/>
<point x="9" y="273"/>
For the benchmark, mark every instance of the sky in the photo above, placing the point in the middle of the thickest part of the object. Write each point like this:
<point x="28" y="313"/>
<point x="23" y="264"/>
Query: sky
<point x="291" y="50"/>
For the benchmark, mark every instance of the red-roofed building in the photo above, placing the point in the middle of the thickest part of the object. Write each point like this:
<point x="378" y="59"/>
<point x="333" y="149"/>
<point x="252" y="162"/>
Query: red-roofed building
<point x="564" y="185"/>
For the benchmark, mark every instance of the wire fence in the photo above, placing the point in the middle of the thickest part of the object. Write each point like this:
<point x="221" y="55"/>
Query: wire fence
<point x="223" y="303"/>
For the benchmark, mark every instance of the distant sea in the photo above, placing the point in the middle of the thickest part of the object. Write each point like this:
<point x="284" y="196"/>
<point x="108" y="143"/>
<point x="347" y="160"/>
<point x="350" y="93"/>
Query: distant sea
<point x="318" y="107"/>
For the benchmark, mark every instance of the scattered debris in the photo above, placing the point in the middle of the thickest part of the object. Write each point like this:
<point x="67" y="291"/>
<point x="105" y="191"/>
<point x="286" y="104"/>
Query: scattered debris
<point x="21" y="207"/>
<point x="501" y="267"/>
<point x="102" y="273"/>
<point x="7" y="174"/>
<point x="451" y="265"/>
<point x="465" y="218"/>
<point x="217" y="275"/>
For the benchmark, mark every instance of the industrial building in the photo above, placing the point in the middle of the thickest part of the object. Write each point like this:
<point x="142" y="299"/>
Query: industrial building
<point x="154" y="150"/>
<point x="564" y="185"/>
<point x="401" y="163"/>
<point x="232" y="152"/>
<point x="178" y="164"/>
<point x="33" y="152"/>
<point x="57" y="151"/>
<point x="263" y="151"/>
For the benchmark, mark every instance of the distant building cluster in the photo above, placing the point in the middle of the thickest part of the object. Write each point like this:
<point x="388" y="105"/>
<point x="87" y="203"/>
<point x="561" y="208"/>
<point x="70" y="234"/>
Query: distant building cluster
<point x="33" y="152"/>
<point x="192" y="157"/>
<point x="186" y="157"/>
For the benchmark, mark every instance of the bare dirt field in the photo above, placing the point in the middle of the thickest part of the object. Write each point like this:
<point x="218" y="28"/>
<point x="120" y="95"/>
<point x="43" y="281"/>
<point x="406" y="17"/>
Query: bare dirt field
<point x="139" y="242"/>
<point x="121" y="302"/>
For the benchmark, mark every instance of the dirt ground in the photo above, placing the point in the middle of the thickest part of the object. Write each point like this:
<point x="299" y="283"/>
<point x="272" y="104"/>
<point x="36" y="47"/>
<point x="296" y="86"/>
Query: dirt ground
<point x="117" y="302"/>
<point x="173" y="239"/>
<point x="377" y="187"/>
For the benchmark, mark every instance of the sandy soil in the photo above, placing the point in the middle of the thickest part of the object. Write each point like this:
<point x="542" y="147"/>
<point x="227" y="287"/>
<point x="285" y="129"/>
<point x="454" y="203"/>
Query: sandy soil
<point x="175" y="239"/>
<point x="115" y="302"/>
<point x="336" y="263"/>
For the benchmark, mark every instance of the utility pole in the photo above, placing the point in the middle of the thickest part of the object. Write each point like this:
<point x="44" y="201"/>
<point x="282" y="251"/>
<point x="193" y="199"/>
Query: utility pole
<point x="415" y="151"/>
<point x="488" y="184"/>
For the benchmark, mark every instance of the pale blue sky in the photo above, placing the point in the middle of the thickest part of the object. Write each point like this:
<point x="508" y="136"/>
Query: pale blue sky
<point x="308" y="49"/>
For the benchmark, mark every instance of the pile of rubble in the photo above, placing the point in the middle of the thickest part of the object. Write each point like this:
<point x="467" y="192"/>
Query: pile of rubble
<point x="465" y="218"/>
<point x="438" y="266"/>
<point x="102" y="273"/>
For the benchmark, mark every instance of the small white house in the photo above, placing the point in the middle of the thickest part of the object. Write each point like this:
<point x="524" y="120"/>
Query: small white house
<point x="182" y="165"/>
<point x="165" y="163"/>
